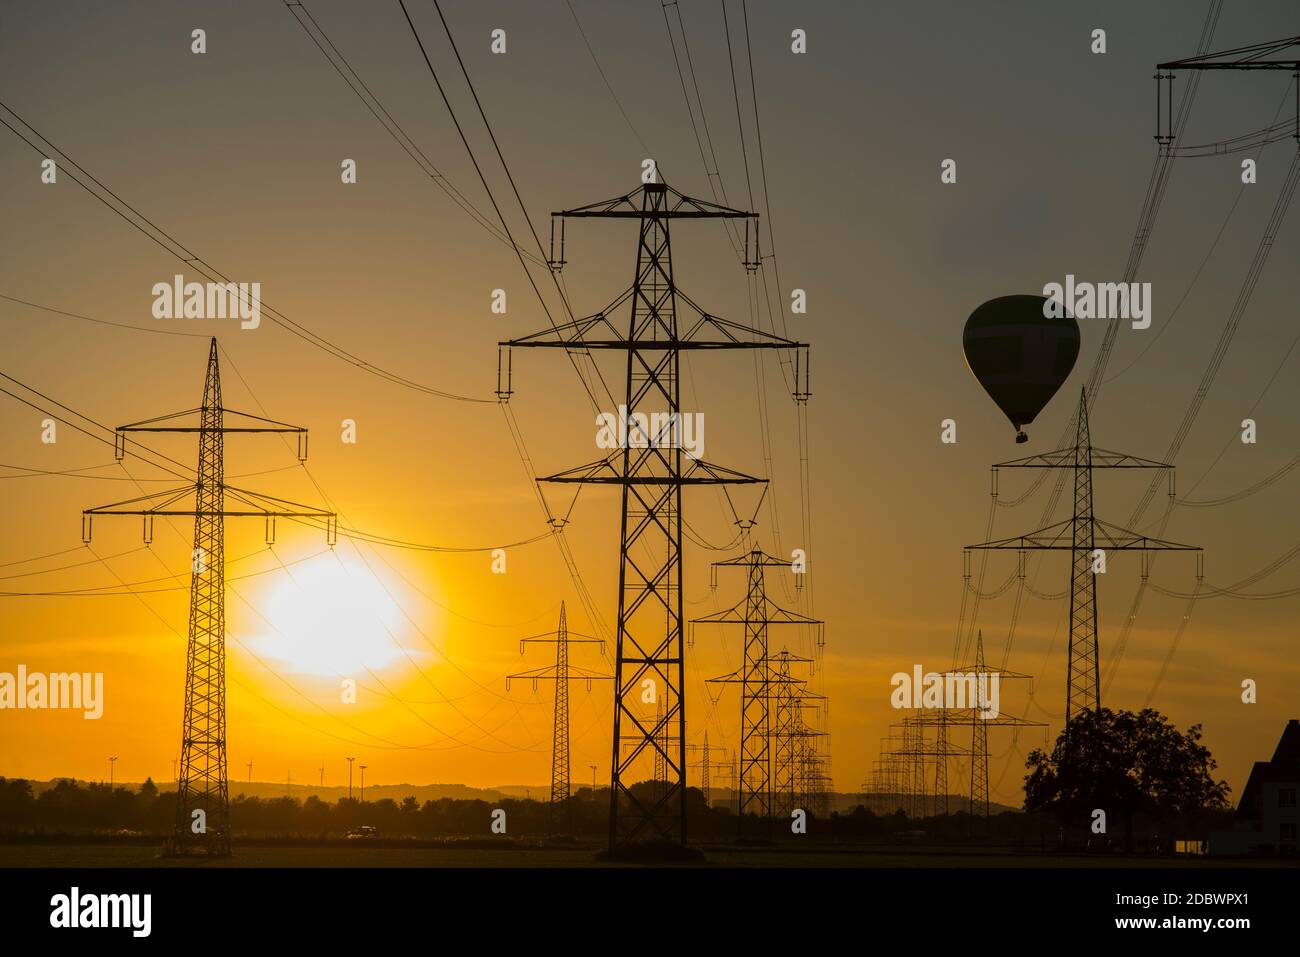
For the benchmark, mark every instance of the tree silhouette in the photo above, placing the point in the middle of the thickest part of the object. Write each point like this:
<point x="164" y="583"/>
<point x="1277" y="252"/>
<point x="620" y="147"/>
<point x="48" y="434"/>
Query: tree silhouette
<point x="1126" y="763"/>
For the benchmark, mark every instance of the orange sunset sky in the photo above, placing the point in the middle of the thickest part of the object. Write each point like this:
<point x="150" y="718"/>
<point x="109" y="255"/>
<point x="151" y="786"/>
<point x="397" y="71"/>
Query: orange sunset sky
<point x="237" y="153"/>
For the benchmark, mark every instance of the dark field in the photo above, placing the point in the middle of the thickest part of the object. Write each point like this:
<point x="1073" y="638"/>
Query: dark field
<point x="136" y="855"/>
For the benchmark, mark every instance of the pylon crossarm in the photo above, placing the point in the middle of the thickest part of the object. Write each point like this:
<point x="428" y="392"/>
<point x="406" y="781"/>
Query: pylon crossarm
<point x="548" y="673"/>
<point x="263" y="424"/>
<point x="143" y="425"/>
<point x="608" y="471"/>
<point x="551" y="637"/>
<point x="162" y="499"/>
<point x="1241" y="58"/>
<point x="754" y="557"/>
<point x="1115" y="538"/>
<point x="738" y="677"/>
<point x="965" y="717"/>
<point x="742" y="613"/>
<point x="573" y="335"/>
<point x="597" y="332"/>
<point x="631" y="207"/>
<point x="1059" y="537"/>
<point x="734" y="335"/>
<point x="977" y="670"/>
<point x="285" y="509"/>
<point x="1066" y="459"/>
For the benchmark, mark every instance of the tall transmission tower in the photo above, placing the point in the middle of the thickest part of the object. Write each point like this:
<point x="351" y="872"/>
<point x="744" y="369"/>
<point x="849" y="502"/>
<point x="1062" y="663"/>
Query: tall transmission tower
<point x="651" y="469"/>
<point x="1089" y="540"/>
<point x="202" y="797"/>
<point x="561" y="673"/>
<point x="756" y="613"/>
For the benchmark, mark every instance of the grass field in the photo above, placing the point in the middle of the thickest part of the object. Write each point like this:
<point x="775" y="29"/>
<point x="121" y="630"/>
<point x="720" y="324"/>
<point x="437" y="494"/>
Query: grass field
<point x="134" y="855"/>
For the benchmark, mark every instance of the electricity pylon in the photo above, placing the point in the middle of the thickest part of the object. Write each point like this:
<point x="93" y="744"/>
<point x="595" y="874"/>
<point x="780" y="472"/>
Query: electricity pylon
<point x="1088" y="539"/>
<point x="710" y="758"/>
<point x="561" y="673"/>
<point x="651" y="468"/>
<point x="979" y="747"/>
<point x="756" y="613"/>
<point x="814" y="782"/>
<point x="788" y="730"/>
<point x="202" y="794"/>
<point x="704" y="772"/>
<point x="660" y="774"/>
<point x="970" y="686"/>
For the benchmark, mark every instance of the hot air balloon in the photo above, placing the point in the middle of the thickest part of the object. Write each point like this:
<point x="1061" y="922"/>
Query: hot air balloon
<point x="1019" y="355"/>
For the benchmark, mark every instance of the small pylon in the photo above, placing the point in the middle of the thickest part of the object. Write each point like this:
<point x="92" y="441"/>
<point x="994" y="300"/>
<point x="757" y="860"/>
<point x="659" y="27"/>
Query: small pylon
<point x="561" y="806"/>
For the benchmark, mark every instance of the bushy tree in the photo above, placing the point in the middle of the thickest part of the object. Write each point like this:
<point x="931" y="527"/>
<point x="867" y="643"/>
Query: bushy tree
<point x="1127" y="763"/>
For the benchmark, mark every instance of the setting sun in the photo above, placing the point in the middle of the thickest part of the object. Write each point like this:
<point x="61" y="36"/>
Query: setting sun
<point x="328" y="618"/>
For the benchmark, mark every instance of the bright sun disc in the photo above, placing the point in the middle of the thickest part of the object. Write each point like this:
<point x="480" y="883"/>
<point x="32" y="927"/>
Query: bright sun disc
<point x="330" y="618"/>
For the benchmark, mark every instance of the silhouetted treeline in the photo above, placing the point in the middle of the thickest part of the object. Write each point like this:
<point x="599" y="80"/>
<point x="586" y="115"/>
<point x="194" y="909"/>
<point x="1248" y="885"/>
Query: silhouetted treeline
<point x="76" y="808"/>
<point x="71" y="809"/>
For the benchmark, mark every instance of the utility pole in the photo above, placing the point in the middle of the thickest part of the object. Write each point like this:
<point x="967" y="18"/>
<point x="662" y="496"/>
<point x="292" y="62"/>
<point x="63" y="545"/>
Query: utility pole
<point x="1089" y="540"/>
<point x="173" y="769"/>
<point x="561" y="673"/>
<point x="593" y="782"/>
<point x="322" y="773"/>
<point x="111" y="763"/>
<point x="350" y="760"/>
<point x="363" y="783"/>
<point x="756" y="613"/>
<point x="203" y="797"/>
<point x="651" y="468"/>
<point x="250" y="772"/>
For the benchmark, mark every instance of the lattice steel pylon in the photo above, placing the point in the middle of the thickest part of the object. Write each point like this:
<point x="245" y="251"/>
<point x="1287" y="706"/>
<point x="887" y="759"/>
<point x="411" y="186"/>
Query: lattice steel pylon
<point x="202" y="822"/>
<point x="973" y="687"/>
<point x="706" y="765"/>
<point x="651" y="467"/>
<point x="704" y="772"/>
<point x="562" y="672"/>
<point x="789" y="733"/>
<point x="1088" y="539"/>
<point x="756" y="613"/>
<point x="660" y="753"/>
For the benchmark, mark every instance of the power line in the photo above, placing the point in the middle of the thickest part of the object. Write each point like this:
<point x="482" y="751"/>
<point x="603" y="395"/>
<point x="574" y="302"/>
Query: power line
<point x="483" y="179"/>
<point x="390" y="125"/>
<point x="173" y="247"/>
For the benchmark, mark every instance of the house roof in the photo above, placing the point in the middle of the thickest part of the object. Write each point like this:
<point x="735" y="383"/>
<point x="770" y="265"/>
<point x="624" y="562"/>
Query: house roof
<point x="1284" y="766"/>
